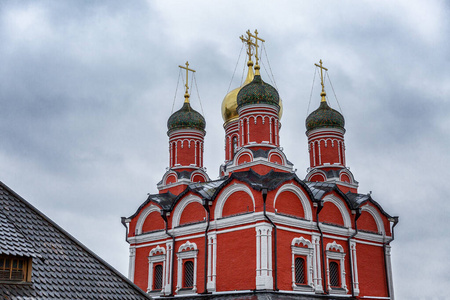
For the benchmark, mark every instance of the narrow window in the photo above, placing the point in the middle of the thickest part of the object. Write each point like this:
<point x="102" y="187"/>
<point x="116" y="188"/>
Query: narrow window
<point x="234" y="146"/>
<point x="188" y="274"/>
<point x="158" y="277"/>
<point x="300" y="277"/>
<point x="334" y="274"/>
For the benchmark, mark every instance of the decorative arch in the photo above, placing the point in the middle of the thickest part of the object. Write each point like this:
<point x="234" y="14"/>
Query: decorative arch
<point x="148" y="210"/>
<point x="237" y="187"/>
<point x="301" y="196"/>
<point x="168" y="175"/>
<point x="198" y="174"/>
<point x="241" y="155"/>
<point x="342" y="208"/>
<point x="158" y="250"/>
<point x="181" y="206"/>
<point x="376" y="216"/>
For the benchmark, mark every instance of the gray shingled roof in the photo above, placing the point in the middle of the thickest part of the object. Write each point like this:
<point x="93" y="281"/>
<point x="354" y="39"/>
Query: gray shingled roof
<point x="63" y="268"/>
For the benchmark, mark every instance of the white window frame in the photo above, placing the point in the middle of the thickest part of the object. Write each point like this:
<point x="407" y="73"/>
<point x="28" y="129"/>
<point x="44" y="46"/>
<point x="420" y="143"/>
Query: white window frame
<point x="157" y="255"/>
<point x="337" y="254"/>
<point x="299" y="250"/>
<point x="186" y="251"/>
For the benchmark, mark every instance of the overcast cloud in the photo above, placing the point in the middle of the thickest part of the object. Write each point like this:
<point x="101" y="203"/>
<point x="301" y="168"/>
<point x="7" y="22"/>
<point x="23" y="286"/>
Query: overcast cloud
<point x="86" y="88"/>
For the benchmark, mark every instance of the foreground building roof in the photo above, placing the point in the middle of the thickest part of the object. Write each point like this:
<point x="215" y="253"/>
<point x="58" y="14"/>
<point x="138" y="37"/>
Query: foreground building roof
<point x="61" y="267"/>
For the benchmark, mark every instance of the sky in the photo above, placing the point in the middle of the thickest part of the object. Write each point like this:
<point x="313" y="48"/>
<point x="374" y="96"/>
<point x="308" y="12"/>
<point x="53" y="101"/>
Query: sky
<point x="86" y="88"/>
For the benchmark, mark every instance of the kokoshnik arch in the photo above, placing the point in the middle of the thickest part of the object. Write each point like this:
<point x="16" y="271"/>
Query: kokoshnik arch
<point x="259" y="228"/>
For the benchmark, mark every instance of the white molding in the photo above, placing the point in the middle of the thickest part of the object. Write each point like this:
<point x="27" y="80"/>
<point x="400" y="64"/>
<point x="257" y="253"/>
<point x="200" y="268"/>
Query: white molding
<point x="337" y="256"/>
<point x="186" y="251"/>
<point x="309" y="254"/>
<point x="179" y="208"/>
<point x="131" y="264"/>
<point x="376" y="216"/>
<point x="290" y="187"/>
<point x="264" y="279"/>
<point x="226" y="193"/>
<point x="153" y="258"/>
<point x="212" y="262"/>
<point x="144" y="214"/>
<point x="342" y="208"/>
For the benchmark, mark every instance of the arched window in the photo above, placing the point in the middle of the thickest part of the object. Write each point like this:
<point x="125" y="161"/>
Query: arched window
<point x="188" y="275"/>
<point x="300" y="276"/>
<point x="334" y="274"/>
<point x="234" y="145"/>
<point x="158" y="277"/>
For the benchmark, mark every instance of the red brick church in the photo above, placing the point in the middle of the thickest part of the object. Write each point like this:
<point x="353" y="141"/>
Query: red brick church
<point x="259" y="229"/>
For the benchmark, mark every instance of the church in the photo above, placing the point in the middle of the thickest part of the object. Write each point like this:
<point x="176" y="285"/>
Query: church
<point x="259" y="230"/>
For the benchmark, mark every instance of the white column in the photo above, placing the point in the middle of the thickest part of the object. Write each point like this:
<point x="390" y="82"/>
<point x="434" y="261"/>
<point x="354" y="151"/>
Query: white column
<point x="131" y="263"/>
<point x="212" y="258"/>
<point x="168" y="268"/>
<point x="389" y="271"/>
<point x="354" y="267"/>
<point x="264" y="279"/>
<point x="317" y="264"/>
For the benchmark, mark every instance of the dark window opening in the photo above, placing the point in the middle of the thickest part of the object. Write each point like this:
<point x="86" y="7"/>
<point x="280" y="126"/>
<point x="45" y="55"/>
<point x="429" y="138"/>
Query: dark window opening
<point x="334" y="274"/>
<point x="13" y="268"/>
<point x="158" y="277"/>
<point x="188" y="274"/>
<point x="300" y="277"/>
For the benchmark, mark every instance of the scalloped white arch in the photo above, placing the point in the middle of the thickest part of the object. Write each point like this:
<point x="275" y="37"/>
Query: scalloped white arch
<point x="187" y="246"/>
<point x="376" y="216"/>
<point x="157" y="249"/>
<point x="290" y="187"/>
<point x="144" y="215"/>
<point x="342" y="208"/>
<point x="335" y="246"/>
<point x="181" y="206"/>
<point x="301" y="240"/>
<point x="237" y="187"/>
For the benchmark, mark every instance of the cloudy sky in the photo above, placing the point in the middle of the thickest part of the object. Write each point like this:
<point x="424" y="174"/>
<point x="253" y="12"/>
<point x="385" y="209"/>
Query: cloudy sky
<point x="86" y="88"/>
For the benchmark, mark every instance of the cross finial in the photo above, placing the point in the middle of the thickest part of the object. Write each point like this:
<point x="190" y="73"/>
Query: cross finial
<point x="323" y="94"/>
<point x="186" y="93"/>
<point x="250" y="44"/>
<point x="255" y="36"/>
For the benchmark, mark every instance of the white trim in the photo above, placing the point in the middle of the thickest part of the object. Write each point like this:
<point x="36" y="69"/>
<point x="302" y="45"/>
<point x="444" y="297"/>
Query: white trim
<point x="264" y="279"/>
<point x="339" y="255"/>
<point x="144" y="214"/>
<point x="212" y="262"/>
<point x="131" y="264"/>
<point x="179" y="208"/>
<point x="387" y="255"/>
<point x="376" y="216"/>
<point x="308" y="252"/>
<point x="157" y="254"/>
<point x="342" y="208"/>
<point x="227" y="192"/>
<point x="186" y="251"/>
<point x="290" y="187"/>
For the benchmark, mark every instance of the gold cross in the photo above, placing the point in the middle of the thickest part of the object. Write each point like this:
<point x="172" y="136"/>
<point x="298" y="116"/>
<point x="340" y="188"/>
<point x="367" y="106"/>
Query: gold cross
<point x="256" y="43"/>
<point x="250" y="44"/>
<point x="186" y="94"/>
<point x="321" y="74"/>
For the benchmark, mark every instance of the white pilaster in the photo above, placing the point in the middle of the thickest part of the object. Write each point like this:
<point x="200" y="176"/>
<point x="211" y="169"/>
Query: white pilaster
<point x="264" y="279"/>
<point x="389" y="271"/>
<point x="212" y="258"/>
<point x="131" y="263"/>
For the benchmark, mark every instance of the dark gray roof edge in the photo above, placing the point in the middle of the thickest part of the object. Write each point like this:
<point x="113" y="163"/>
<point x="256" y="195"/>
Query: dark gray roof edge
<point x="72" y="238"/>
<point x="371" y="200"/>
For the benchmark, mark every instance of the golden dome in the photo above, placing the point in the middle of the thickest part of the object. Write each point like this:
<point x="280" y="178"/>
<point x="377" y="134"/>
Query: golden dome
<point x="229" y="103"/>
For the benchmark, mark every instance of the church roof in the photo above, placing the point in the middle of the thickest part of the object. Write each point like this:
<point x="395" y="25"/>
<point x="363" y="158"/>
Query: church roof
<point x="62" y="267"/>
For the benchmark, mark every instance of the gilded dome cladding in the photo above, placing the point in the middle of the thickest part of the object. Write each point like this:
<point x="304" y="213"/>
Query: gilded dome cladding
<point x="186" y="118"/>
<point x="258" y="91"/>
<point x="324" y="116"/>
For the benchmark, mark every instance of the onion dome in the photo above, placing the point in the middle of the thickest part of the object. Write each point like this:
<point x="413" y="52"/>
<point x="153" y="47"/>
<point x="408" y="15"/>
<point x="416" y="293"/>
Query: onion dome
<point x="186" y="118"/>
<point x="258" y="91"/>
<point x="324" y="116"/>
<point x="229" y="103"/>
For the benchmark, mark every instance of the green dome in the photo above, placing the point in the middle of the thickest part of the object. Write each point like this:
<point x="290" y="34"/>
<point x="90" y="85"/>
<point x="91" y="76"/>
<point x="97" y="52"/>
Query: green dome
<point x="186" y="118"/>
<point x="258" y="91"/>
<point x="324" y="116"/>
